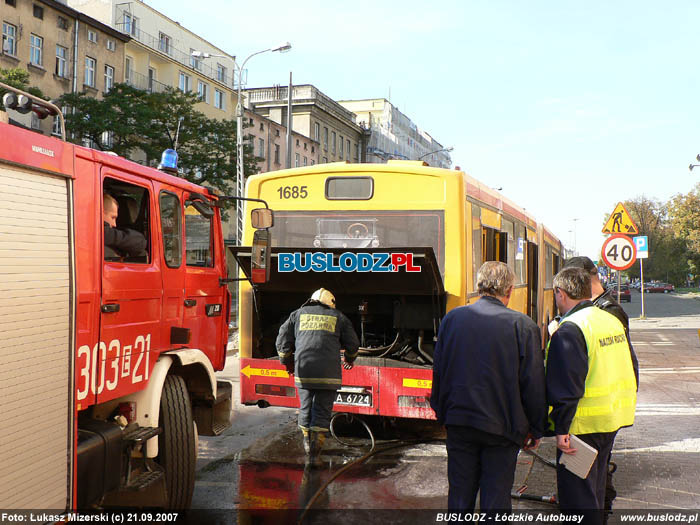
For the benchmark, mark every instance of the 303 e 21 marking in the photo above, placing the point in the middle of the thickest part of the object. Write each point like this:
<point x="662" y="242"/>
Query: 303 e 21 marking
<point x="117" y="365"/>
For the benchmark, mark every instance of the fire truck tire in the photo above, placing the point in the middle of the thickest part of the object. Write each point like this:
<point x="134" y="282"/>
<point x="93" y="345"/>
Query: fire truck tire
<point x="176" y="444"/>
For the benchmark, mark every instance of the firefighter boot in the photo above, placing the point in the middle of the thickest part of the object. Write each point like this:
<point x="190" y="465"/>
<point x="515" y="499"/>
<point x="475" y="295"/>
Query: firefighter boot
<point x="316" y="444"/>
<point x="306" y="439"/>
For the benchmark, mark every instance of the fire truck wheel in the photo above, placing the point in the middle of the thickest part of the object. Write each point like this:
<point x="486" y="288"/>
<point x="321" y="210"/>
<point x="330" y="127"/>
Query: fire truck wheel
<point x="176" y="444"/>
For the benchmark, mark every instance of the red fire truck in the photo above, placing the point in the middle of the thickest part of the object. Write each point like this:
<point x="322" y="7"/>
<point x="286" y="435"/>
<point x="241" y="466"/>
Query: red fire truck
<point x="106" y="362"/>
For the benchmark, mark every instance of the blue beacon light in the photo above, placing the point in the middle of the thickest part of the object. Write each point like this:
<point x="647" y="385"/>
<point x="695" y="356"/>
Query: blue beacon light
<point x="168" y="161"/>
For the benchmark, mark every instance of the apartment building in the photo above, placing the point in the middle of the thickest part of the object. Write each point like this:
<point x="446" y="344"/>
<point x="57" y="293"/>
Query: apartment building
<point x="393" y="135"/>
<point x="160" y="54"/>
<point x="314" y="115"/>
<point x="63" y="50"/>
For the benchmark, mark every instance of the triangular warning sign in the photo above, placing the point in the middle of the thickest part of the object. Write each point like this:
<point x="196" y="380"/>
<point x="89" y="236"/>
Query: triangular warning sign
<point x="620" y="222"/>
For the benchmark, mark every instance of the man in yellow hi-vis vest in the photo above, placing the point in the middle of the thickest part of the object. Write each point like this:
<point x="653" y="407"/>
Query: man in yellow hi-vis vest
<point x="591" y="388"/>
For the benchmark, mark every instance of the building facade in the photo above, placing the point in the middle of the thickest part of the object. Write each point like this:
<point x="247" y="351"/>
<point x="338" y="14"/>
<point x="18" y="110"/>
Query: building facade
<point x="269" y="142"/>
<point x="394" y="135"/>
<point x="63" y="50"/>
<point x="159" y="54"/>
<point x="314" y="115"/>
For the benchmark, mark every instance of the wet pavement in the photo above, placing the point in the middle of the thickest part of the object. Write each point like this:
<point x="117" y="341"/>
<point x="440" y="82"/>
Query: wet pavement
<point x="261" y="477"/>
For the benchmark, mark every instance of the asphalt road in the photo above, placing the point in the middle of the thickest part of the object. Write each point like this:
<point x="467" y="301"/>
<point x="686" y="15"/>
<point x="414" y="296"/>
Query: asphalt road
<point x="258" y="463"/>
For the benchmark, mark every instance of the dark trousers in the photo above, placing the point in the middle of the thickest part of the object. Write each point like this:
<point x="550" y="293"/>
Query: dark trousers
<point x="476" y="461"/>
<point x="315" y="408"/>
<point x="587" y="496"/>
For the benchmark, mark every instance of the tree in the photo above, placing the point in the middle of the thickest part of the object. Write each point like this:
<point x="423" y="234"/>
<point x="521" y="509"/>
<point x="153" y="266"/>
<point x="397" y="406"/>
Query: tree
<point x="153" y="122"/>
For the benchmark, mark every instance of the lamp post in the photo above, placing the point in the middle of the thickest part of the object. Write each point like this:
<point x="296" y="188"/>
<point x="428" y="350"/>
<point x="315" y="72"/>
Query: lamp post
<point x="691" y="166"/>
<point x="436" y="151"/>
<point x="240" y="172"/>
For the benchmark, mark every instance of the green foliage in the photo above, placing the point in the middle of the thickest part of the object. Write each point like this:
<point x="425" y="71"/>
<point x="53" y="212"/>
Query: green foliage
<point x="149" y="123"/>
<point x="673" y="229"/>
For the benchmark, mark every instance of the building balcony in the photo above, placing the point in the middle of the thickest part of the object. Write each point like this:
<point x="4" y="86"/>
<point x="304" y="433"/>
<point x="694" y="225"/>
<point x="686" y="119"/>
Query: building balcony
<point x="142" y="82"/>
<point x="165" y="47"/>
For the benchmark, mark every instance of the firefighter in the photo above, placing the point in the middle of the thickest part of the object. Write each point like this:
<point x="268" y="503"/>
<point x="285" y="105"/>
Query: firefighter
<point x="309" y="344"/>
<point x="119" y="242"/>
<point x="591" y="388"/>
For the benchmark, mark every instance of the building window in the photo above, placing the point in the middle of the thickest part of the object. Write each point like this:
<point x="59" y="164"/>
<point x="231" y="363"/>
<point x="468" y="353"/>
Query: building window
<point x="262" y="127"/>
<point x="184" y="84"/>
<point x="347" y="150"/>
<point x="333" y="142"/>
<point x="221" y="73"/>
<point x="261" y="148"/>
<point x="164" y="43"/>
<point x="56" y="129"/>
<point x="305" y="145"/>
<point x="312" y="149"/>
<point x="297" y="143"/>
<point x="296" y="160"/>
<point x="36" y="46"/>
<point x="127" y="70"/>
<point x="313" y="162"/>
<point x="277" y="153"/>
<point x="305" y="161"/>
<point x="62" y="23"/>
<point x="131" y="25"/>
<point x="108" y="139"/>
<point x="111" y="45"/>
<point x="325" y="139"/>
<point x="317" y="132"/>
<point x="38" y="12"/>
<point x="151" y="78"/>
<point x="195" y="62"/>
<point x="340" y="147"/>
<point x="9" y="39"/>
<point x="13" y="3"/>
<point x="219" y="99"/>
<point x="203" y="91"/>
<point x="325" y="160"/>
<point x="109" y="78"/>
<point x="92" y="36"/>
<point x="35" y="124"/>
<point x="61" y="54"/>
<point x="90" y="66"/>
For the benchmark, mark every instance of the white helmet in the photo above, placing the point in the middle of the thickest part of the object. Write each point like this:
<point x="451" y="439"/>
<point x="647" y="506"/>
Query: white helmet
<point x="324" y="296"/>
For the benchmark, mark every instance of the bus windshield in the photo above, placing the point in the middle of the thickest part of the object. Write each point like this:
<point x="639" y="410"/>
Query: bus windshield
<point x="362" y="229"/>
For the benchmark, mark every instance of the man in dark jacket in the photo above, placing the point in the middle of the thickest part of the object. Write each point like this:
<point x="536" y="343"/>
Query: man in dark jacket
<point x="489" y="392"/>
<point x="316" y="333"/>
<point x="119" y="242"/>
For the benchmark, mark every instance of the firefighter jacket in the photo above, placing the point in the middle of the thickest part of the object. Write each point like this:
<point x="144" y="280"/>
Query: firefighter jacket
<point x="488" y="371"/>
<point x="312" y="337"/>
<point x="125" y="242"/>
<point x="591" y="385"/>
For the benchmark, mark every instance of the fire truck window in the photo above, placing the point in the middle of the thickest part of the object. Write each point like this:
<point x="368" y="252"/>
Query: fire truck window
<point x="126" y="235"/>
<point x="171" y="224"/>
<point x="198" y="239"/>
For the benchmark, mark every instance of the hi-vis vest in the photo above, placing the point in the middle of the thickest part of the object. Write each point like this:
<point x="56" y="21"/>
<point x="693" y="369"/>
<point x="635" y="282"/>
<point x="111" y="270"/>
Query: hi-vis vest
<point x="610" y="396"/>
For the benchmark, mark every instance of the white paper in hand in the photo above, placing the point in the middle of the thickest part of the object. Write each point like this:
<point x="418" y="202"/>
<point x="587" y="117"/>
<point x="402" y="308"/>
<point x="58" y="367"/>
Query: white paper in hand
<point x="579" y="463"/>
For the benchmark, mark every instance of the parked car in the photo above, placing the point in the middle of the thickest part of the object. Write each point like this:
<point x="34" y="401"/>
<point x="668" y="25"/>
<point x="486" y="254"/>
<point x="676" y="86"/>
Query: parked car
<point x="625" y="295"/>
<point x="658" y="288"/>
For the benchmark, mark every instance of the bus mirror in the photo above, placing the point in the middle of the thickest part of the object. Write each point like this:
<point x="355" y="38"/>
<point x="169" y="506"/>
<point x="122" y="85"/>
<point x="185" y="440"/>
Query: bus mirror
<point x="262" y="218"/>
<point x="260" y="260"/>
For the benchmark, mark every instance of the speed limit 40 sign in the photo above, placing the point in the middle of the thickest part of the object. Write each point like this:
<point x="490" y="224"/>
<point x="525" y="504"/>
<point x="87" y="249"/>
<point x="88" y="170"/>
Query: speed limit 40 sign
<point x="619" y="252"/>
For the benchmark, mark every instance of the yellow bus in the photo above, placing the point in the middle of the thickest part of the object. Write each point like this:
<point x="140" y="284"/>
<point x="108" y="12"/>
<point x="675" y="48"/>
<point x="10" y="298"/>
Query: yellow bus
<point x="399" y="245"/>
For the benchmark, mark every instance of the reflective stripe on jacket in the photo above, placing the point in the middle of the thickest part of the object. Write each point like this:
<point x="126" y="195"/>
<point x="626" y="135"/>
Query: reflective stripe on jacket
<point x="610" y="397"/>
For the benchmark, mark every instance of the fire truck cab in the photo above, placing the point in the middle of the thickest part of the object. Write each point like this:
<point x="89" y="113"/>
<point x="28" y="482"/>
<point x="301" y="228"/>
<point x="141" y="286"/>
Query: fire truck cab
<point x="107" y="358"/>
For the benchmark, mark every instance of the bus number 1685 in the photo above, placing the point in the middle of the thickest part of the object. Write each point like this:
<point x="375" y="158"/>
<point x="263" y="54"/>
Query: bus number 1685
<point x="293" y="192"/>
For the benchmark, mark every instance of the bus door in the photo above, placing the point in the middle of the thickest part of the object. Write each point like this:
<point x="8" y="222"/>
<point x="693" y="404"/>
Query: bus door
<point x="532" y="280"/>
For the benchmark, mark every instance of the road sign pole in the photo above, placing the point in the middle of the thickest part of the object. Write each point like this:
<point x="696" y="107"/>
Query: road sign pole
<point x="619" y="286"/>
<point x="641" y="286"/>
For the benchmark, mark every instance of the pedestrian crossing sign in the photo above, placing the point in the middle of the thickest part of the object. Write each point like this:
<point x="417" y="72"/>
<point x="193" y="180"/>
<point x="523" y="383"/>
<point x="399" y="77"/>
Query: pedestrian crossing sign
<point x="620" y="222"/>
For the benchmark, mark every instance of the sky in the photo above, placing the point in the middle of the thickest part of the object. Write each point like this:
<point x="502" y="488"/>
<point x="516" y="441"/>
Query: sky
<point x="569" y="107"/>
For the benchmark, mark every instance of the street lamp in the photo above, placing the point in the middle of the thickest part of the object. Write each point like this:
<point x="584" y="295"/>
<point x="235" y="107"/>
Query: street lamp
<point x="694" y="165"/>
<point x="240" y="174"/>
<point x="436" y="151"/>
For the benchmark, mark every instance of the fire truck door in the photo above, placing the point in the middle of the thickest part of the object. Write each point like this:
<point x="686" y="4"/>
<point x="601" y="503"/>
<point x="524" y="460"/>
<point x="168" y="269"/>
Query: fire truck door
<point x="172" y="264"/>
<point x="131" y="308"/>
<point x="204" y="295"/>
